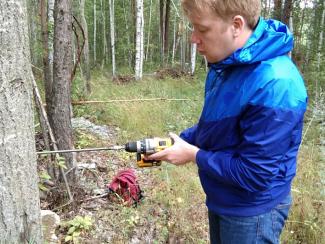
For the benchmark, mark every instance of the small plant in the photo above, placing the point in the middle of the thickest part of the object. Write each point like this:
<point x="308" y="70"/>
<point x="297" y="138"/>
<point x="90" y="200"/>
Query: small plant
<point x="44" y="176"/>
<point x="77" y="226"/>
<point x="61" y="162"/>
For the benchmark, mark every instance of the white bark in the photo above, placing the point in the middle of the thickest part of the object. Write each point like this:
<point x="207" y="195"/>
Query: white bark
<point x="320" y="43"/>
<point x="86" y="47"/>
<point x="95" y="31"/>
<point x="149" y="27"/>
<point x="193" y="58"/>
<point x="319" y="54"/>
<point x="19" y="194"/>
<point x="112" y="25"/>
<point x="174" y="42"/>
<point x="104" y="32"/>
<point x="129" y="56"/>
<point x="139" y="40"/>
<point x="50" y="21"/>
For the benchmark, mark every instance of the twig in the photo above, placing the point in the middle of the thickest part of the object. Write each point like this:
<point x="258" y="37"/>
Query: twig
<point x="43" y="112"/>
<point x="94" y="197"/>
<point x="79" y="51"/>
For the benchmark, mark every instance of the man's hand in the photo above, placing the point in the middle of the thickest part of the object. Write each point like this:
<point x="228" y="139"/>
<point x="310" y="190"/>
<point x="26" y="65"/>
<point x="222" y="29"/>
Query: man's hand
<point x="180" y="153"/>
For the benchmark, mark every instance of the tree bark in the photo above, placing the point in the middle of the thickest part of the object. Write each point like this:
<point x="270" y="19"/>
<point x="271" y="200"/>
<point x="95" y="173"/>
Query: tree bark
<point x="86" y="47"/>
<point x="19" y="194"/>
<point x="104" y="50"/>
<point x="139" y="40"/>
<point x="95" y="32"/>
<point x="50" y="22"/>
<point x="112" y="25"/>
<point x="60" y="107"/>
<point x="162" y="28"/>
<point x="287" y="11"/>
<point x="277" y="12"/>
<point x="166" y="31"/>
<point x="149" y="31"/>
<point x="193" y="58"/>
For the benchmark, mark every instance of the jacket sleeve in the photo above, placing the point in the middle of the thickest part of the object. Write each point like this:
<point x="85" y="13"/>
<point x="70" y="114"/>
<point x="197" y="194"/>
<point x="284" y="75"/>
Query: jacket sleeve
<point x="188" y="135"/>
<point x="267" y="135"/>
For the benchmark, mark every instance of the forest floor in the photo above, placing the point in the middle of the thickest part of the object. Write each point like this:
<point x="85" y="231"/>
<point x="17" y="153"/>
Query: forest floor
<point x="150" y="221"/>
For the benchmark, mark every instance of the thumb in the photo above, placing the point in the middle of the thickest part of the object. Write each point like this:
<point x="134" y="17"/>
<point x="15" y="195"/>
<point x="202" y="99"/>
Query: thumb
<point x="175" y="137"/>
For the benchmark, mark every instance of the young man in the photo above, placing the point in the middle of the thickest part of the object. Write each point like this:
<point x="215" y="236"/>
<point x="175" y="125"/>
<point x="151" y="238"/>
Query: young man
<point x="246" y="141"/>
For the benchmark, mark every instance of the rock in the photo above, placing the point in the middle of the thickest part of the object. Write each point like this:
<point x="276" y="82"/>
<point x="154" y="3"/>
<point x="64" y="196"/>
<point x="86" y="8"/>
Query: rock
<point x="86" y="166"/>
<point x="99" y="191"/>
<point x="103" y="132"/>
<point x="50" y="221"/>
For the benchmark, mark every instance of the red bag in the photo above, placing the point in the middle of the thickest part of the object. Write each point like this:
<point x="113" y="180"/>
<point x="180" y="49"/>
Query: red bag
<point x="125" y="185"/>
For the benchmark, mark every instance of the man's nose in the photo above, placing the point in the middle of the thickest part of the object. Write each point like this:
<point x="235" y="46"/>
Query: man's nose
<point x="194" y="38"/>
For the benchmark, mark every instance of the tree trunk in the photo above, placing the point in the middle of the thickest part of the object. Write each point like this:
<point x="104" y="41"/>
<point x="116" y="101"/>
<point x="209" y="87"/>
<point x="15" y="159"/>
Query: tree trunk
<point x="95" y="32"/>
<point x="32" y="9"/>
<point x="139" y="40"/>
<point x="193" y="58"/>
<point x="287" y="11"/>
<point x="174" y="42"/>
<point x="128" y="57"/>
<point x="50" y="22"/>
<point x="319" y="53"/>
<point x="149" y="30"/>
<point x="112" y="26"/>
<point x="19" y="193"/>
<point x="86" y="66"/>
<point x="162" y="28"/>
<point x="166" y="31"/>
<point x="277" y="12"/>
<point x="102" y="6"/>
<point x="60" y="107"/>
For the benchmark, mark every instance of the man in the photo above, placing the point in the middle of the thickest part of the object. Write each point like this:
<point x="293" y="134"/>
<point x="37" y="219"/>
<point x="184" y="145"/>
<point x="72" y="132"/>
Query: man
<point x="246" y="141"/>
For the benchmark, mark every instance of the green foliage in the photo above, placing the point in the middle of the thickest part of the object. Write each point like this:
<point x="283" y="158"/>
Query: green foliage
<point x="76" y="227"/>
<point x="61" y="163"/>
<point x="43" y="176"/>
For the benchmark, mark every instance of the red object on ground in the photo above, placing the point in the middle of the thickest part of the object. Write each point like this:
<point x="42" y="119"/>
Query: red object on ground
<point x="126" y="186"/>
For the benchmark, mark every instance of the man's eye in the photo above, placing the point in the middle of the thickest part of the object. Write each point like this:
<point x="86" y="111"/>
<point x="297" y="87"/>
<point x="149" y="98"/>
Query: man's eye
<point x="202" y="30"/>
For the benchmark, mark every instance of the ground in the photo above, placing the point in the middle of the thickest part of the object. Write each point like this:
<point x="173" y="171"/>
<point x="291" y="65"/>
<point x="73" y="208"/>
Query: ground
<point x="153" y="220"/>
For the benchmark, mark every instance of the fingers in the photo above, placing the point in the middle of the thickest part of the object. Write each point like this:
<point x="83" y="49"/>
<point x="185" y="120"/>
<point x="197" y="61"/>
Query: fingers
<point x="158" y="155"/>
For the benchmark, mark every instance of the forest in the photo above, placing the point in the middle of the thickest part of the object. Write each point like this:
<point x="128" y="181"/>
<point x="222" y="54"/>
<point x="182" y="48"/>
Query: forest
<point x="97" y="74"/>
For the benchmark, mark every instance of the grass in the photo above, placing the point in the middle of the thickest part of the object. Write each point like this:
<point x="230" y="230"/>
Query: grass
<point x="175" y="209"/>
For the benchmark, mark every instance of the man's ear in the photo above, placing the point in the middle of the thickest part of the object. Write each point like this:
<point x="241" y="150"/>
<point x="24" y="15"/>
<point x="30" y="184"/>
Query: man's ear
<point x="238" y="24"/>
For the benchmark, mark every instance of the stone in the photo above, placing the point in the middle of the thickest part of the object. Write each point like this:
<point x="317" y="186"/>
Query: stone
<point x="50" y="221"/>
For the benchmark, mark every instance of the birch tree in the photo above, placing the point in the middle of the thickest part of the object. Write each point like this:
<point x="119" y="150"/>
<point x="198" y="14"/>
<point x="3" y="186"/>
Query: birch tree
<point x="95" y="31"/>
<point x="112" y="26"/>
<point x="149" y="31"/>
<point x="139" y="40"/>
<point x="86" y="46"/>
<point x="193" y="58"/>
<point x="19" y="194"/>
<point x="104" y="50"/>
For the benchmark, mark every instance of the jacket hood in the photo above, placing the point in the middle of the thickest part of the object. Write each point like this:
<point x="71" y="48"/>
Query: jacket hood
<point x="270" y="39"/>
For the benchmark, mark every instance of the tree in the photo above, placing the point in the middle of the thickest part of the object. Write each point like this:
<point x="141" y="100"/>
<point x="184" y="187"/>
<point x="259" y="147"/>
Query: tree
<point x="59" y="109"/>
<point x="86" y="67"/>
<point x="112" y="25"/>
<point x="277" y="13"/>
<point x="19" y="194"/>
<point x="139" y="40"/>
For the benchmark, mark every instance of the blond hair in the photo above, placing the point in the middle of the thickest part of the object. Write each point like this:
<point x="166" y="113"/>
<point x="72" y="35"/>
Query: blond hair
<point x="249" y="9"/>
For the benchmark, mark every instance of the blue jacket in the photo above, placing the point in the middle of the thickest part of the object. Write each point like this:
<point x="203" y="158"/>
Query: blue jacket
<point x="251" y="124"/>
